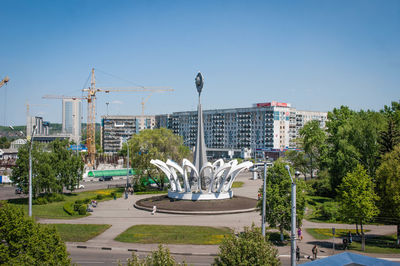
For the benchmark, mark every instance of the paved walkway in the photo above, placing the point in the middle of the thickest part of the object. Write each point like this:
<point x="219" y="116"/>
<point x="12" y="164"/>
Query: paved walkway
<point x="121" y="215"/>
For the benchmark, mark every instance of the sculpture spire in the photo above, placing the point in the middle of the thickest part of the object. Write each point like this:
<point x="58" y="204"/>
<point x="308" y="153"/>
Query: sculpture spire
<point x="200" y="156"/>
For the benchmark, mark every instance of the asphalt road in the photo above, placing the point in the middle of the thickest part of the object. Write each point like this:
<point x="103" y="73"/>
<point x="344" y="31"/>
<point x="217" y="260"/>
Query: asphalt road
<point x="111" y="257"/>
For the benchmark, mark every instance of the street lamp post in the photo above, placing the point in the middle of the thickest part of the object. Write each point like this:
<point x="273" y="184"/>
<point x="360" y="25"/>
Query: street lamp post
<point x="127" y="166"/>
<point x="293" y="208"/>
<point x="30" y="167"/>
<point x="264" y="200"/>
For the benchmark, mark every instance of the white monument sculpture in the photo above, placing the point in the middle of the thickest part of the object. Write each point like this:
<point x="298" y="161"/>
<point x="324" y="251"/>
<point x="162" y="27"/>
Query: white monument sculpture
<point x="201" y="180"/>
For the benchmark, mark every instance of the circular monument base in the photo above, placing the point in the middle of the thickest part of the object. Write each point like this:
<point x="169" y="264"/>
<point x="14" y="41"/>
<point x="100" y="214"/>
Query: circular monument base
<point x="204" y="207"/>
<point x="200" y="195"/>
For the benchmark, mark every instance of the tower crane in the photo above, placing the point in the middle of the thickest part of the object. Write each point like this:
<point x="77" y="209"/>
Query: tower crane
<point x="4" y="81"/>
<point x="91" y="113"/>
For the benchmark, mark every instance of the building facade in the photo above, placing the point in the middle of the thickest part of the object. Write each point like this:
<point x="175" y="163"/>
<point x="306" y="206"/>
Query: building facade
<point x="264" y="126"/>
<point x="72" y="118"/>
<point x="117" y="129"/>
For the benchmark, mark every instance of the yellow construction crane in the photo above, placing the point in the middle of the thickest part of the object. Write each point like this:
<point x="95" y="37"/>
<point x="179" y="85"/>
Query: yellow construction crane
<point x="4" y="81"/>
<point x="91" y="113"/>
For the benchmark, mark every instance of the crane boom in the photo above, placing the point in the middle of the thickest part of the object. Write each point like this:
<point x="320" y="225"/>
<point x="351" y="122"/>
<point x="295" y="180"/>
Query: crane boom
<point x="4" y="81"/>
<point x="91" y="111"/>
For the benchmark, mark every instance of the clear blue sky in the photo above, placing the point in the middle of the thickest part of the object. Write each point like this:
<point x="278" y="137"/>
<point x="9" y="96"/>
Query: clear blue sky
<point x="316" y="55"/>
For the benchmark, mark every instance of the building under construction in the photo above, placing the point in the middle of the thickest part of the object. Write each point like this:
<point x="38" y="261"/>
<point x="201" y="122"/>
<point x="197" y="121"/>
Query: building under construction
<point x="118" y="128"/>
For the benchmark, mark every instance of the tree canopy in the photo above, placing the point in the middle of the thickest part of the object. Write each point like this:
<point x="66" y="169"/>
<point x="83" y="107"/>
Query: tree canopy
<point x="24" y="242"/>
<point x="159" y="144"/>
<point x="278" y="198"/>
<point x="53" y="168"/>
<point x="248" y="248"/>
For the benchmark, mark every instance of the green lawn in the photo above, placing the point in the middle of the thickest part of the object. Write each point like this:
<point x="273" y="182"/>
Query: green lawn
<point x="55" y="210"/>
<point x="79" y="232"/>
<point x="174" y="234"/>
<point x="237" y="184"/>
<point x="376" y="244"/>
<point x="321" y="210"/>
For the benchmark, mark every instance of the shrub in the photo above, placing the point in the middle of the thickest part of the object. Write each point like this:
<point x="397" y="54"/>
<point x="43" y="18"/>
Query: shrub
<point x="78" y="201"/>
<point x="99" y="197"/>
<point x="328" y="211"/>
<point x="249" y="248"/>
<point x="87" y="200"/>
<point x="54" y="197"/>
<point x="113" y="194"/>
<point x="40" y="201"/>
<point x="159" y="257"/>
<point x="82" y="209"/>
<point x="69" y="208"/>
<point x="322" y="186"/>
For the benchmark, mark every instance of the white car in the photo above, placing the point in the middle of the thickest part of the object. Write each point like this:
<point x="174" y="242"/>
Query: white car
<point x="79" y="186"/>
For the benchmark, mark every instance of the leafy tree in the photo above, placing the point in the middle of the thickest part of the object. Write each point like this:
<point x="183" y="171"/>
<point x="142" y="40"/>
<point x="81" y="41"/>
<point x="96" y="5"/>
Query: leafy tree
<point x="357" y="198"/>
<point x="159" y="144"/>
<point x="248" y="248"/>
<point x="159" y="257"/>
<point x="53" y="168"/>
<point x="388" y="188"/>
<point x="4" y="143"/>
<point x="342" y="155"/>
<point x="390" y="135"/>
<point x="298" y="160"/>
<point x="24" y="242"/>
<point x="278" y="198"/>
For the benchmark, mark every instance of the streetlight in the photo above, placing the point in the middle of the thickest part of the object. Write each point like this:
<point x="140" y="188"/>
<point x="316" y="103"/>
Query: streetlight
<point x="263" y="199"/>
<point x="30" y="166"/>
<point x="293" y="208"/>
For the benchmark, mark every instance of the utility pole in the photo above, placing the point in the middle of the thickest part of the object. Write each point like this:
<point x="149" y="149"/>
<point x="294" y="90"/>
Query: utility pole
<point x="127" y="166"/>
<point x="264" y="200"/>
<point x="293" y="229"/>
<point x="30" y="171"/>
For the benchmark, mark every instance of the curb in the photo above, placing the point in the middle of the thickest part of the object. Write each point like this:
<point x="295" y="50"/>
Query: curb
<point x="144" y="251"/>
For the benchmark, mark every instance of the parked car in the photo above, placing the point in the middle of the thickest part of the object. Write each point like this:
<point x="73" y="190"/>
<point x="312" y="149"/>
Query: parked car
<point x="105" y="178"/>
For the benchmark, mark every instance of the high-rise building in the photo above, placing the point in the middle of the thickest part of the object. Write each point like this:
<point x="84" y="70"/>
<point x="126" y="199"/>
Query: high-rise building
<point x="71" y="118"/>
<point x="115" y="129"/>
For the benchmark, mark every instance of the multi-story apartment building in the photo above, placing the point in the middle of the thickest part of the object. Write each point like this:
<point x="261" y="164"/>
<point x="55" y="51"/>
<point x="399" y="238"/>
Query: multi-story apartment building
<point x="265" y="126"/>
<point x="116" y="129"/>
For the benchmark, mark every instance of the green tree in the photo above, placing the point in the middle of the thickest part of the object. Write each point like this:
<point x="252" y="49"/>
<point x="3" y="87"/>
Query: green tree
<point x="159" y="144"/>
<point x="357" y="198"/>
<point x="342" y="156"/>
<point x="53" y="168"/>
<point x="390" y="135"/>
<point x="159" y="257"/>
<point x="388" y="188"/>
<point x="278" y="198"/>
<point x="248" y="248"/>
<point x="4" y="143"/>
<point x="24" y="242"/>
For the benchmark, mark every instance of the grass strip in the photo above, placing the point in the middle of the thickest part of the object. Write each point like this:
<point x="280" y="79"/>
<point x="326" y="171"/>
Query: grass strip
<point x="174" y="234"/>
<point x="55" y="210"/>
<point x="237" y="184"/>
<point x="79" y="232"/>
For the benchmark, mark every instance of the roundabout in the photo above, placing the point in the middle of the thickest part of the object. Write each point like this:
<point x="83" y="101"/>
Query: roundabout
<point x="164" y="204"/>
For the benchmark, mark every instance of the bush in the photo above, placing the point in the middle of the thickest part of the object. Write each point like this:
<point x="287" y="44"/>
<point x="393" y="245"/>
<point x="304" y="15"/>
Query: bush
<point x="82" y="209"/>
<point x="249" y="248"/>
<point x="40" y="201"/>
<point x="69" y="208"/>
<point x="328" y="211"/>
<point x="99" y="197"/>
<point x="87" y="200"/>
<point x="321" y="186"/>
<point x="159" y="257"/>
<point x="78" y="201"/>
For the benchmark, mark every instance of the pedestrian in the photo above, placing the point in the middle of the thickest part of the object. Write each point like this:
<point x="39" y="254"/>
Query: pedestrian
<point x="259" y="196"/>
<point x="315" y="252"/>
<point x="126" y="193"/>
<point x="299" y="234"/>
<point x="297" y="253"/>
<point x="350" y="237"/>
<point x="154" y="210"/>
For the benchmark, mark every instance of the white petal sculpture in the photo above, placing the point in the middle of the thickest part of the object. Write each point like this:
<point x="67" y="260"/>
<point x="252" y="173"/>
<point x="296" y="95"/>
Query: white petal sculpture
<point x="213" y="181"/>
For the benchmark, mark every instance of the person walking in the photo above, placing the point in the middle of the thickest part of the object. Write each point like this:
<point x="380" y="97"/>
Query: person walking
<point x="299" y="234"/>
<point x="297" y="253"/>
<point x="315" y="252"/>
<point x="350" y="237"/>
